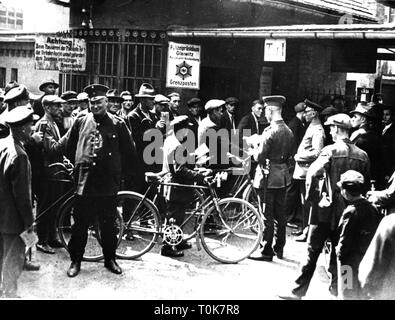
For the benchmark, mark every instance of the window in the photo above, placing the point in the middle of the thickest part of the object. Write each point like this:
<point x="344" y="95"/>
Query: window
<point x="2" y="77"/>
<point x="11" y="18"/>
<point x="14" y="74"/>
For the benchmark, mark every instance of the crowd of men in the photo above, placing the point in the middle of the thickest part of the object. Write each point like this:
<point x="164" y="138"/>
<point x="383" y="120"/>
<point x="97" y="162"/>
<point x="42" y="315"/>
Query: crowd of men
<point x="323" y="164"/>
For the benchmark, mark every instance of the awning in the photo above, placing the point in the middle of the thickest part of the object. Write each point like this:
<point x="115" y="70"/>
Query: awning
<point x="335" y="31"/>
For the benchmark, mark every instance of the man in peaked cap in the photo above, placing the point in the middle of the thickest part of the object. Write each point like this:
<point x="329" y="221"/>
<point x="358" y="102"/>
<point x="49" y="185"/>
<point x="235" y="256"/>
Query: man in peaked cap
<point x="308" y="150"/>
<point x="366" y="138"/>
<point x="357" y="227"/>
<point x="49" y="190"/>
<point x="333" y="160"/>
<point x="114" y="101"/>
<point x="48" y="87"/>
<point x="275" y="148"/>
<point x="15" y="183"/>
<point x="70" y="103"/>
<point x="100" y="163"/>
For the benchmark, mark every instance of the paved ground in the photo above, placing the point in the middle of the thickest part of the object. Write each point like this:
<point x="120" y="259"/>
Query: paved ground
<point x="153" y="277"/>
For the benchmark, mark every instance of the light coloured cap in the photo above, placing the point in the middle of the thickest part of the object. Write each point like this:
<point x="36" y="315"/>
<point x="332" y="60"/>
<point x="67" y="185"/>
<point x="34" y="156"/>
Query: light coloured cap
<point x="146" y="91"/>
<point x="340" y="120"/>
<point x="52" y="99"/>
<point x="351" y="179"/>
<point x="83" y="96"/>
<point x="160" y="98"/>
<point x="214" y="104"/>
<point x="20" y="115"/>
<point x="126" y="95"/>
<point x="362" y="108"/>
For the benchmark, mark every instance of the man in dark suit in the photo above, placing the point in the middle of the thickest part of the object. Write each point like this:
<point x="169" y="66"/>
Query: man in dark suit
<point x="229" y="119"/>
<point x="16" y="213"/>
<point x="251" y="120"/>
<point x="388" y="141"/>
<point x="48" y="87"/>
<point x="194" y="116"/>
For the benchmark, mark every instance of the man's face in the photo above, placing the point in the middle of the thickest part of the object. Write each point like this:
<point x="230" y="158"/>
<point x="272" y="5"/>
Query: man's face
<point x="127" y="104"/>
<point x="195" y="110"/>
<point x="68" y="108"/>
<point x="231" y="107"/>
<point x="27" y="130"/>
<point x="357" y="120"/>
<point x="175" y="103"/>
<point x="218" y="113"/>
<point x="257" y="109"/>
<point x="49" y="89"/>
<point x="147" y="102"/>
<point x="54" y="110"/>
<point x="159" y="107"/>
<point x="309" y="114"/>
<point x="387" y="117"/>
<point x="113" y="106"/>
<point x="83" y="105"/>
<point x="99" y="107"/>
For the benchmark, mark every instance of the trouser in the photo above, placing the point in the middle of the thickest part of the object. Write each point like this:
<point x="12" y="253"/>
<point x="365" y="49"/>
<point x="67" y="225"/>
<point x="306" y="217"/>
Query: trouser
<point x="86" y="210"/>
<point x="293" y="204"/>
<point x="349" y="287"/>
<point x="46" y="225"/>
<point x="274" y="216"/>
<point x="176" y="210"/>
<point x="12" y="258"/>
<point x="317" y="236"/>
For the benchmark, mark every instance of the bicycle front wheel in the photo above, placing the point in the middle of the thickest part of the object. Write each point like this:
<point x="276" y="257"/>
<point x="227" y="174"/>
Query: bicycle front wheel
<point x="141" y="225"/>
<point x="65" y="222"/>
<point x="230" y="240"/>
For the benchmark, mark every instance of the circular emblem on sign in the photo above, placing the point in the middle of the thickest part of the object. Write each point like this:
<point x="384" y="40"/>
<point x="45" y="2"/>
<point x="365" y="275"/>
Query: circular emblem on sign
<point x="184" y="70"/>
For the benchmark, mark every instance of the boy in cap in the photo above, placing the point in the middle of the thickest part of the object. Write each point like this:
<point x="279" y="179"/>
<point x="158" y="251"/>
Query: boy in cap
<point x="357" y="226"/>
<point x="275" y="147"/>
<point x="333" y="160"/>
<point x="15" y="197"/>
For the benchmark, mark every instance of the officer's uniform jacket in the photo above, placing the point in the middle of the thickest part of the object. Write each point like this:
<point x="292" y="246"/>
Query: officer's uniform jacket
<point x="357" y="226"/>
<point x="276" y="146"/>
<point x="51" y="137"/>
<point x="309" y="149"/>
<point x="175" y="164"/>
<point x="16" y="212"/>
<point x="102" y="151"/>
<point x="335" y="159"/>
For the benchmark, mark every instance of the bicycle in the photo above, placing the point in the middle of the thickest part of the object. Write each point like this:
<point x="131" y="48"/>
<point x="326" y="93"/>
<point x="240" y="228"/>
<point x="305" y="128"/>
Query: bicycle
<point x="225" y="240"/>
<point x="64" y="214"/>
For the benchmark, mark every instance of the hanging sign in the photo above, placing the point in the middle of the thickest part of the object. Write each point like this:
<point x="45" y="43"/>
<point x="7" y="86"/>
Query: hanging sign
<point x="58" y="53"/>
<point x="275" y="50"/>
<point x="183" y="66"/>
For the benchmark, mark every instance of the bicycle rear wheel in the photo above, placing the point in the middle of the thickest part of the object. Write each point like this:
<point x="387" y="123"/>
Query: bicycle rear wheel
<point x="230" y="240"/>
<point x="93" y="249"/>
<point x="141" y="225"/>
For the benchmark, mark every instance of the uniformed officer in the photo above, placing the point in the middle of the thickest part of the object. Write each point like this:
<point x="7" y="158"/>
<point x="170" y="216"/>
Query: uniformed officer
<point x="101" y="147"/>
<point x="276" y="147"/>
<point x="114" y="101"/>
<point x="15" y="197"/>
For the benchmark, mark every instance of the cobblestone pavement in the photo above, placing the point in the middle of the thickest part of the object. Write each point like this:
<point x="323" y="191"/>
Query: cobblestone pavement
<point x="196" y="276"/>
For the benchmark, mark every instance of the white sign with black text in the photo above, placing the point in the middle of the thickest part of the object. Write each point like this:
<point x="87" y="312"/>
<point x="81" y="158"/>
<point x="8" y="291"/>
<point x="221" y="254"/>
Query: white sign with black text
<point x="183" y="66"/>
<point x="275" y="50"/>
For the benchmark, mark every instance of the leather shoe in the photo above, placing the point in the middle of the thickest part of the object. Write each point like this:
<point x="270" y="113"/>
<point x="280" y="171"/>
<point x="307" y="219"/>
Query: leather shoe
<point x="74" y="269"/>
<point x="261" y="257"/>
<point x="43" y="247"/>
<point x="113" y="266"/>
<point x="184" y="245"/>
<point x="55" y="244"/>
<point x="289" y="296"/>
<point x="168" y="251"/>
<point x="31" y="266"/>
<point x="279" y="254"/>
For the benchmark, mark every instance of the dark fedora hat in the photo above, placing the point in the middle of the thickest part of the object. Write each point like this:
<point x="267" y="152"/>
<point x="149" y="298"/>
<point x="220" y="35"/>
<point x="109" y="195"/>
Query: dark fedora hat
<point x="46" y="83"/>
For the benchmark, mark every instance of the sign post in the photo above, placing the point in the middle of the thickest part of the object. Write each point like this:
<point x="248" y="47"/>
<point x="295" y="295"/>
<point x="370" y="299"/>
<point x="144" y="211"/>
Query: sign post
<point x="183" y="66"/>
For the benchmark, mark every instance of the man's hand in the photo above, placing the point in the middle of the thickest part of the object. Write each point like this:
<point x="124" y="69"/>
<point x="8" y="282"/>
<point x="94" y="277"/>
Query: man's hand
<point x="160" y="124"/>
<point x="38" y="136"/>
<point x="377" y="197"/>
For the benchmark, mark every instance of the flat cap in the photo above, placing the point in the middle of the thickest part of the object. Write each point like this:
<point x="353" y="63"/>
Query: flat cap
<point x="341" y="120"/>
<point x="16" y="93"/>
<point x="126" y="95"/>
<point x="160" y="98"/>
<point x="83" y="96"/>
<point x="329" y="111"/>
<point x="193" y="101"/>
<point x="300" y="107"/>
<point x="10" y="85"/>
<point x="351" y="179"/>
<point x="313" y="105"/>
<point x="173" y="94"/>
<point x="20" y="115"/>
<point x="273" y="100"/>
<point x="46" y="83"/>
<point x="96" y="91"/>
<point x="146" y="91"/>
<point x="69" y="96"/>
<point x="232" y="100"/>
<point x="213" y="104"/>
<point x="52" y="99"/>
<point x="113" y="94"/>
